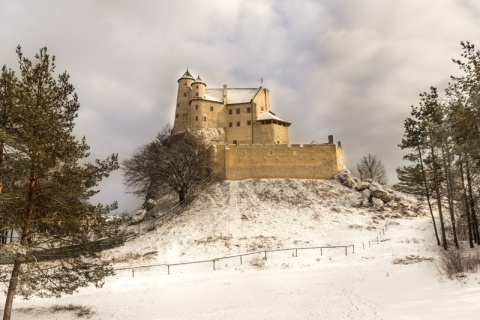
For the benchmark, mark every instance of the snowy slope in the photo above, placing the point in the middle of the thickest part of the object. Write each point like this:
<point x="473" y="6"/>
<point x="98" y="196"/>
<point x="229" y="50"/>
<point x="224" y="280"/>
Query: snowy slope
<point x="243" y="216"/>
<point x="396" y="278"/>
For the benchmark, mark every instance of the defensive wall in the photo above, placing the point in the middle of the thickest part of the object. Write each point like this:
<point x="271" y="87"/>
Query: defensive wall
<point x="269" y="161"/>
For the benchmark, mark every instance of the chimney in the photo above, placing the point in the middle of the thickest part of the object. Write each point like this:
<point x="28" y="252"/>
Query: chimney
<point x="224" y="93"/>
<point x="330" y="139"/>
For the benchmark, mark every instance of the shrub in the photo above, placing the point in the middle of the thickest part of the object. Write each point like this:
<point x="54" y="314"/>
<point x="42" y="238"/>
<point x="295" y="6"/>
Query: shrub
<point x="455" y="263"/>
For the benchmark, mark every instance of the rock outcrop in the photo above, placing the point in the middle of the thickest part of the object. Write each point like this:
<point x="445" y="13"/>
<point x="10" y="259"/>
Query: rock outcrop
<point x="345" y="178"/>
<point x="380" y="197"/>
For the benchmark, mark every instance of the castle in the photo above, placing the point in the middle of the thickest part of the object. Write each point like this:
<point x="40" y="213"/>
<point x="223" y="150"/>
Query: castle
<point x="248" y="139"/>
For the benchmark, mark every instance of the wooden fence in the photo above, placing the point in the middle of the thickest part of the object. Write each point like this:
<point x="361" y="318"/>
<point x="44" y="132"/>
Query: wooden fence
<point x="264" y="254"/>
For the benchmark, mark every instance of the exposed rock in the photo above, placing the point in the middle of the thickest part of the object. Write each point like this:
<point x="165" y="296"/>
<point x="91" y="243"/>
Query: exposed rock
<point x="138" y="216"/>
<point x="380" y="193"/>
<point x="209" y="134"/>
<point x="366" y="193"/>
<point x="377" y="203"/>
<point x="362" y="185"/>
<point x="345" y="178"/>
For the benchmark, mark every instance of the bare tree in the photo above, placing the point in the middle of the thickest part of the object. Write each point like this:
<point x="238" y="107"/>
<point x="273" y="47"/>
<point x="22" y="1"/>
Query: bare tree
<point x="172" y="162"/>
<point x="370" y="167"/>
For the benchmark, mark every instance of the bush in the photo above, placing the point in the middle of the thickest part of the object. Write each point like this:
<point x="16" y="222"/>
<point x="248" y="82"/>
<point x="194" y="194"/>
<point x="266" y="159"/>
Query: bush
<point x="455" y="262"/>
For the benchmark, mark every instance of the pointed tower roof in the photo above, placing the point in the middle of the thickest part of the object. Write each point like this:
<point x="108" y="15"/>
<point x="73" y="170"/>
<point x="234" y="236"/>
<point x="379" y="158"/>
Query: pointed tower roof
<point x="187" y="75"/>
<point x="199" y="80"/>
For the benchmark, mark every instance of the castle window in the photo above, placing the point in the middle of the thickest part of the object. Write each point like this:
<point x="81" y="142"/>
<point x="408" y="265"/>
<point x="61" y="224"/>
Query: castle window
<point x="178" y="105"/>
<point x="176" y="116"/>
<point x="196" y="94"/>
<point x="235" y="142"/>
<point x="271" y="152"/>
<point x="211" y="108"/>
<point x="230" y="111"/>
<point x="196" y="87"/>
<point x="230" y="124"/>
<point x="238" y="123"/>
<point x="196" y="118"/>
<point x="249" y="123"/>
<point x="249" y="110"/>
<point x="184" y="94"/>
<point x="204" y="118"/>
<point x="237" y="111"/>
<point x="196" y="107"/>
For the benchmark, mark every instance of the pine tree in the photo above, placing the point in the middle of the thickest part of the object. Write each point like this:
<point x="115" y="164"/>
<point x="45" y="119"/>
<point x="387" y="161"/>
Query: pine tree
<point x="7" y="100"/>
<point x="47" y="188"/>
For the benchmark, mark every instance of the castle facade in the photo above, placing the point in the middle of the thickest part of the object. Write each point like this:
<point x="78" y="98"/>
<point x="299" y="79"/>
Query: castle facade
<point x="248" y="139"/>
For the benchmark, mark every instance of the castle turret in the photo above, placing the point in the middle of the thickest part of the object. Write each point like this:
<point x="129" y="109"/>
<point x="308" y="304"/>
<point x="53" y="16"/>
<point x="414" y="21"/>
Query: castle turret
<point x="183" y="102"/>
<point x="200" y="115"/>
<point x="198" y="88"/>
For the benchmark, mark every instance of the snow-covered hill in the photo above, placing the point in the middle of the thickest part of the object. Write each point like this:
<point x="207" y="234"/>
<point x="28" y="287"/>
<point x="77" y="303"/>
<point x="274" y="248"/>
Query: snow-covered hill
<point x="234" y="217"/>
<point x="395" y="279"/>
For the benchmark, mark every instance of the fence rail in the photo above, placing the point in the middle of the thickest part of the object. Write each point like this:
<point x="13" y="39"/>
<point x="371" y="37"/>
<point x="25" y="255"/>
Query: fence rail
<point x="214" y="261"/>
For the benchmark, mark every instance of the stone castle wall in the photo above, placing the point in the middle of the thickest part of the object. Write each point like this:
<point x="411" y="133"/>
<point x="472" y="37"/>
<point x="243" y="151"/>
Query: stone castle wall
<point x="267" y="161"/>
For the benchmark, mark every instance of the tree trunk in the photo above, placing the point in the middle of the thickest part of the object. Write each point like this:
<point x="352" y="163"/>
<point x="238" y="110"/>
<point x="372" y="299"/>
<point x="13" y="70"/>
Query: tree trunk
<point x="436" y="187"/>
<point x="1" y="164"/>
<point x="427" y="194"/>
<point x="181" y="196"/>
<point x="449" y="180"/>
<point x="473" y="212"/>
<point x="467" y="206"/>
<point x="12" y="288"/>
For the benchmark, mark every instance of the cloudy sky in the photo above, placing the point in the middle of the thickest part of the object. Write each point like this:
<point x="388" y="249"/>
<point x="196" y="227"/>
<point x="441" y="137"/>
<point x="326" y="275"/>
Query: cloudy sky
<point x="342" y="67"/>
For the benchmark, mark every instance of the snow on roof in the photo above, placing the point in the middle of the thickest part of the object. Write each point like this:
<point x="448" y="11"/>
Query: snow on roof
<point x="187" y="75"/>
<point x="241" y="95"/>
<point x="214" y="95"/>
<point x="234" y="95"/>
<point x="268" y="116"/>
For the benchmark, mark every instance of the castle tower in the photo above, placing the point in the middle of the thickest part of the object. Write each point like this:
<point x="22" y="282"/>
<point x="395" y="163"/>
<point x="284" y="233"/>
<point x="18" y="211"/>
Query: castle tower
<point x="198" y="106"/>
<point x="198" y="87"/>
<point x="182" y="110"/>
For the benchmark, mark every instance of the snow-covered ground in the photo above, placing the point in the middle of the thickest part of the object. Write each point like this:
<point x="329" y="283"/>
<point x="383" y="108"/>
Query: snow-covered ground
<point x="396" y="278"/>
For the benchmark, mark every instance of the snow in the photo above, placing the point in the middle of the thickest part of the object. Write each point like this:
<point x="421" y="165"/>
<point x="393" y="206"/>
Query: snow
<point x="396" y="278"/>
<point x="268" y="116"/>
<point x="234" y="95"/>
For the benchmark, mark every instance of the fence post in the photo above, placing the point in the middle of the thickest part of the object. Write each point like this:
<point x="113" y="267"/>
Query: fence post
<point x="241" y="260"/>
<point x="296" y="252"/>
<point x="369" y="243"/>
<point x="353" y="248"/>
<point x="363" y="244"/>
<point x="214" y="265"/>
<point x="265" y="255"/>
<point x="133" y="272"/>
<point x="377" y="239"/>
<point x="321" y="251"/>
<point x="346" y="250"/>
<point x="168" y="269"/>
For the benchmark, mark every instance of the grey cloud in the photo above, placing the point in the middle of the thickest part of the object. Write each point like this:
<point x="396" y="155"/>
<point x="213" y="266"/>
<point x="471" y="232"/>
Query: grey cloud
<point x="347" y="68"/>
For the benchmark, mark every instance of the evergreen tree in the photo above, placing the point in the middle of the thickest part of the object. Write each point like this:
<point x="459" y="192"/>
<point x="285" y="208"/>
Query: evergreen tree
<point x="46" y="186"/>
<point x="444" y="138"/>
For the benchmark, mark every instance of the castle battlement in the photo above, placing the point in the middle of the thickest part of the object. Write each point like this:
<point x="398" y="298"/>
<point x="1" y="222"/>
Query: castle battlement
<point x="250" y="140"/>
